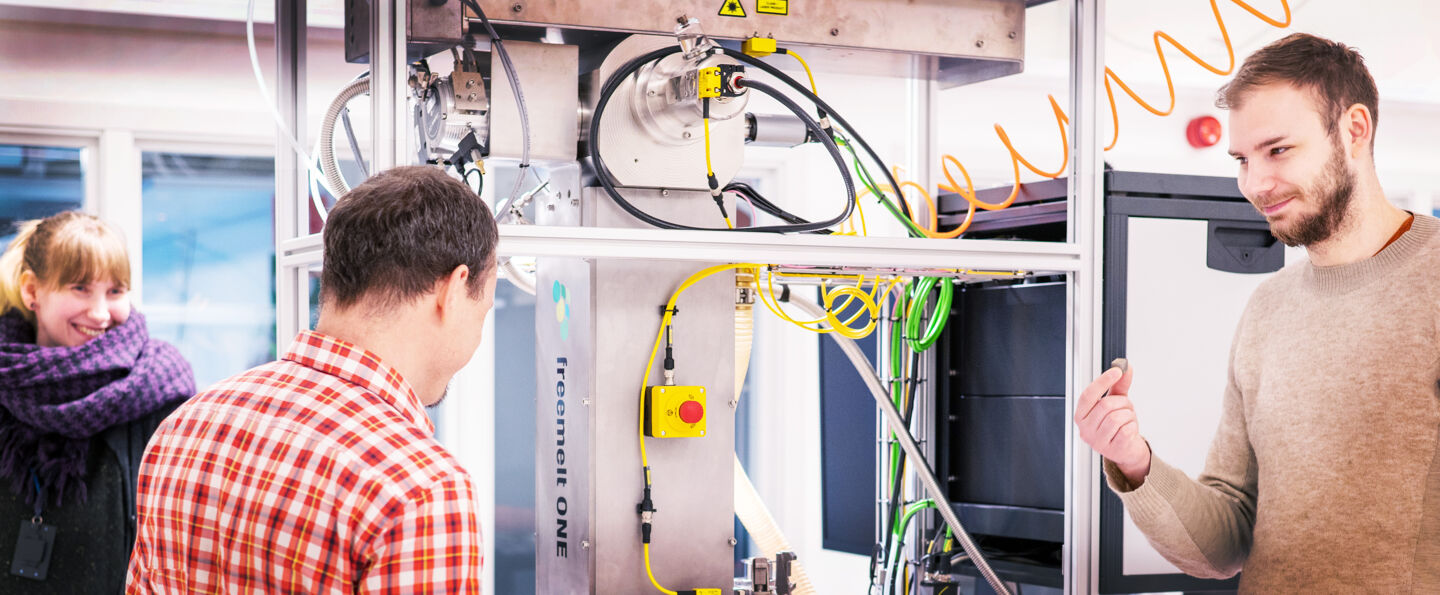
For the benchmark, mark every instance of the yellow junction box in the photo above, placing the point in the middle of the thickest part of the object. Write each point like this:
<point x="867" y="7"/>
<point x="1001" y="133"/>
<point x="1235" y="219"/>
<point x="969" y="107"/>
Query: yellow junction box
<point x="675" y="411"/>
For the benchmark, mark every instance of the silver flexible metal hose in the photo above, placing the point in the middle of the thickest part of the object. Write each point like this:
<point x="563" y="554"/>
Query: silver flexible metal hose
<point x="518" y="278"/>
<point x="907" y="443"/>
<point x="327" y="134"/>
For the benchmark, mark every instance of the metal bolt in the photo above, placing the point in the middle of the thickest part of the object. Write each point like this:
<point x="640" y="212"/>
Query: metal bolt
<point x="733" y="542"/>
<point x="979" y="43"/>
<point x="517" y="7"/>
<point x="662" y="432"/>
<point x="834" y="32"/>
<point x="1012" y="35"/>
<point x="471" y="97"/>
<point x="687" y="134"/>
<point x="470" y="83"/>
<point x="444" y="116"/>
<point x="585" y="545"/>
<point x="585" y="402"/>
<point x="650" y="93"/>
<point x="664" y="192"/>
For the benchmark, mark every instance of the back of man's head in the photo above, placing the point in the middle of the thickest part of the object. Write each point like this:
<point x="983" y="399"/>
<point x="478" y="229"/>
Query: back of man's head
<point x="1334" y="74"/>
<point x="392" y="238"/>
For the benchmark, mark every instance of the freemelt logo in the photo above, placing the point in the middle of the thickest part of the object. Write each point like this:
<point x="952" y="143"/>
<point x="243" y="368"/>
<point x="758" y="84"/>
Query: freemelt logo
<point x="562" y="308"/>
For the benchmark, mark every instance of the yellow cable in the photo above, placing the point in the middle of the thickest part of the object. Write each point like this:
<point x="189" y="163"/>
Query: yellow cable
<point x="860" y="210"/>
<point x="645" y="380"/>
<point x="651" y="574"/>
<point x="825" y="293"/>
<point x="869" y="306"/>
<point x="709" y="169"/>
<point x="807" y="70"/>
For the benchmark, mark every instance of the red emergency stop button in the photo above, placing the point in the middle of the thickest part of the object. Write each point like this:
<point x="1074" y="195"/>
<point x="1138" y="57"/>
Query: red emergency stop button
<point x="692" y="412"/>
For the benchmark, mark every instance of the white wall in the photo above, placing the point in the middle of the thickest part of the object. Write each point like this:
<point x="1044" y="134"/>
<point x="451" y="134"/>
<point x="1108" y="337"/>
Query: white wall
<point x="196" y="85"/>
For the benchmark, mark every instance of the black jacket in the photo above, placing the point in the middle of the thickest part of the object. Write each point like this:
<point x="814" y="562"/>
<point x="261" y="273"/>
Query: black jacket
<point x="94" y="538"/>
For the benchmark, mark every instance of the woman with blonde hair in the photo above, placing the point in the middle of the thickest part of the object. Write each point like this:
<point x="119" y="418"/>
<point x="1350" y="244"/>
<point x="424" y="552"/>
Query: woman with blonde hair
<point x="82" y="387"/>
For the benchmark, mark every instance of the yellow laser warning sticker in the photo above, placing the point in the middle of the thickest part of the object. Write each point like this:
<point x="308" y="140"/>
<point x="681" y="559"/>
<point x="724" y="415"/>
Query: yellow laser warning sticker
<point x="780" y="7"/>
<point x="732" y="8"/>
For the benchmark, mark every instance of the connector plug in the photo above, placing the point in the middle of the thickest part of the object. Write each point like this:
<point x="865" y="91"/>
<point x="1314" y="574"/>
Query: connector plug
<point x="710" y="81"/>
<point x="758" y="47"/>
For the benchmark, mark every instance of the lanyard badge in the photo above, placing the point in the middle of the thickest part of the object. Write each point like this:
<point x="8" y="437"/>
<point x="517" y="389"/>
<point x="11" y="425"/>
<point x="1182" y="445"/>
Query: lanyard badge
<point x="36" y="542"/>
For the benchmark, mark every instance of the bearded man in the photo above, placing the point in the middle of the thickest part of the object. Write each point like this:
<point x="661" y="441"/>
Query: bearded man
<point x="1324" y="474"/>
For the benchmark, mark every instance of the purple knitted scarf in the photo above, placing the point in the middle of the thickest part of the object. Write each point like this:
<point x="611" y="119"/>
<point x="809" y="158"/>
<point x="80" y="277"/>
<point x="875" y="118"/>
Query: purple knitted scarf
<point x="54" y="399"/>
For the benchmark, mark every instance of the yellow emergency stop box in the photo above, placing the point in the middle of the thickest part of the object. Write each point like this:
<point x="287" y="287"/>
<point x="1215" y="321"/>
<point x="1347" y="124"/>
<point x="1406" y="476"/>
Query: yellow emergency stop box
<point x="675" y="411"/>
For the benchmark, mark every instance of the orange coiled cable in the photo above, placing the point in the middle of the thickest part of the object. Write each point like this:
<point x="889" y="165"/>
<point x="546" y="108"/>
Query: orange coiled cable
<point x="967" y="191"/>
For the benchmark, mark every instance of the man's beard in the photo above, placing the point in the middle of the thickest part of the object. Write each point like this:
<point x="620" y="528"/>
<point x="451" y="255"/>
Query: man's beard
<point x="1332" y="194"/>
<point x="443" y="395"/>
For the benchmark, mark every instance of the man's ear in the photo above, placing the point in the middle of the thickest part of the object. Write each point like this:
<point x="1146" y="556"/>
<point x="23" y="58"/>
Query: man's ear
<point x="452" y="288"/>
<point x="1357" y="128"/>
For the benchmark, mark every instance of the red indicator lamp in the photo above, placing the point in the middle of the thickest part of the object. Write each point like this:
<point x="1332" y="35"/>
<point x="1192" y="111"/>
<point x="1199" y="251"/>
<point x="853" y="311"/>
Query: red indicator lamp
<point x="1203" y="132"/>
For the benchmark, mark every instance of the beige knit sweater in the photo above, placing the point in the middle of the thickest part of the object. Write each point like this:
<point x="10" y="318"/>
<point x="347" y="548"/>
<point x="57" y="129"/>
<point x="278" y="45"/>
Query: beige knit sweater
<point x="1324" y="475"/>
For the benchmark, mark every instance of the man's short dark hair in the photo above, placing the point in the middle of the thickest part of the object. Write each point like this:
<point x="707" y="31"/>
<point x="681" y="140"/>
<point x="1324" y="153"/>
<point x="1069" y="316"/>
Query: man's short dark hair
<point x="1332" y="71"/>
<point x="389" y="240"/>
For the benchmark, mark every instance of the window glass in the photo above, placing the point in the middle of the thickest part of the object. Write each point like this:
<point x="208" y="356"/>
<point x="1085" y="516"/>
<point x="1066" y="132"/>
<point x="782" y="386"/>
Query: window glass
<point x="209" y="259"/>
<point x="37" y="182"/>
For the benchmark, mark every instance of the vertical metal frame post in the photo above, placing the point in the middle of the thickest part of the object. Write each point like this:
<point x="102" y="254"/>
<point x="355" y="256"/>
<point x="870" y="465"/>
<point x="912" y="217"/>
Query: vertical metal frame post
<point x="292" y="215"/>
<point x="1086" y="233"/>
<point x="388" y="72"/>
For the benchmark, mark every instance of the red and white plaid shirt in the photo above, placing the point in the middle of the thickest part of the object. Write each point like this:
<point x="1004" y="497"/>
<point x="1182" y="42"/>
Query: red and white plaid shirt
<point x="318" y="473"/>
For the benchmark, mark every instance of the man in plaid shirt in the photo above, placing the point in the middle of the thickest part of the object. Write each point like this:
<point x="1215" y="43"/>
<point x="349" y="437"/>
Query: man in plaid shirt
<point x="320" y="473"/>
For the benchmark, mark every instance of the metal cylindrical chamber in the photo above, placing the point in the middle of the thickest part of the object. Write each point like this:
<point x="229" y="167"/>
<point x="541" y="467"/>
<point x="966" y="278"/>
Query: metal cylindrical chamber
<point x="773" y="130"/>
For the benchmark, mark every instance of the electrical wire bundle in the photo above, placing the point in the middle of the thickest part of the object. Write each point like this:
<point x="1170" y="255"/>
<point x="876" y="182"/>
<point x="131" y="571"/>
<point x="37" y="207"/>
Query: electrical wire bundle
<point x="607" y="179"/>
<point x="915" y="328"/>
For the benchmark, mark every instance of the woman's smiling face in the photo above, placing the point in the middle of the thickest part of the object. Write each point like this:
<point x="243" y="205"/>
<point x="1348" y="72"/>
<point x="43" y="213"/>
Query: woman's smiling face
<point x="71" y="315"/>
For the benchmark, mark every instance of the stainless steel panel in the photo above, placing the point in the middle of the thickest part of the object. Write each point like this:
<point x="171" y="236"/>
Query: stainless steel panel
<point x="564" y="456"/>
<point x="435" y="23"/>
<point x="989" y="29"/>
<point x="692" y="477"/>
<point x="558" y="204"/>
<point x="638" y="158"/>
<point x="550" y="77"/>
<point x="614" y="315"/>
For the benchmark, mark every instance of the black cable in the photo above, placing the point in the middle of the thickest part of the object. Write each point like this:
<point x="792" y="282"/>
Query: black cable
<point x="606" y="179"/>
<point x="911" y="384"/>
<point x="824" y="107"/>
<point x="480" y="186"/>
<point x="522" y="111"/>
<point x="764" y="204"/>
